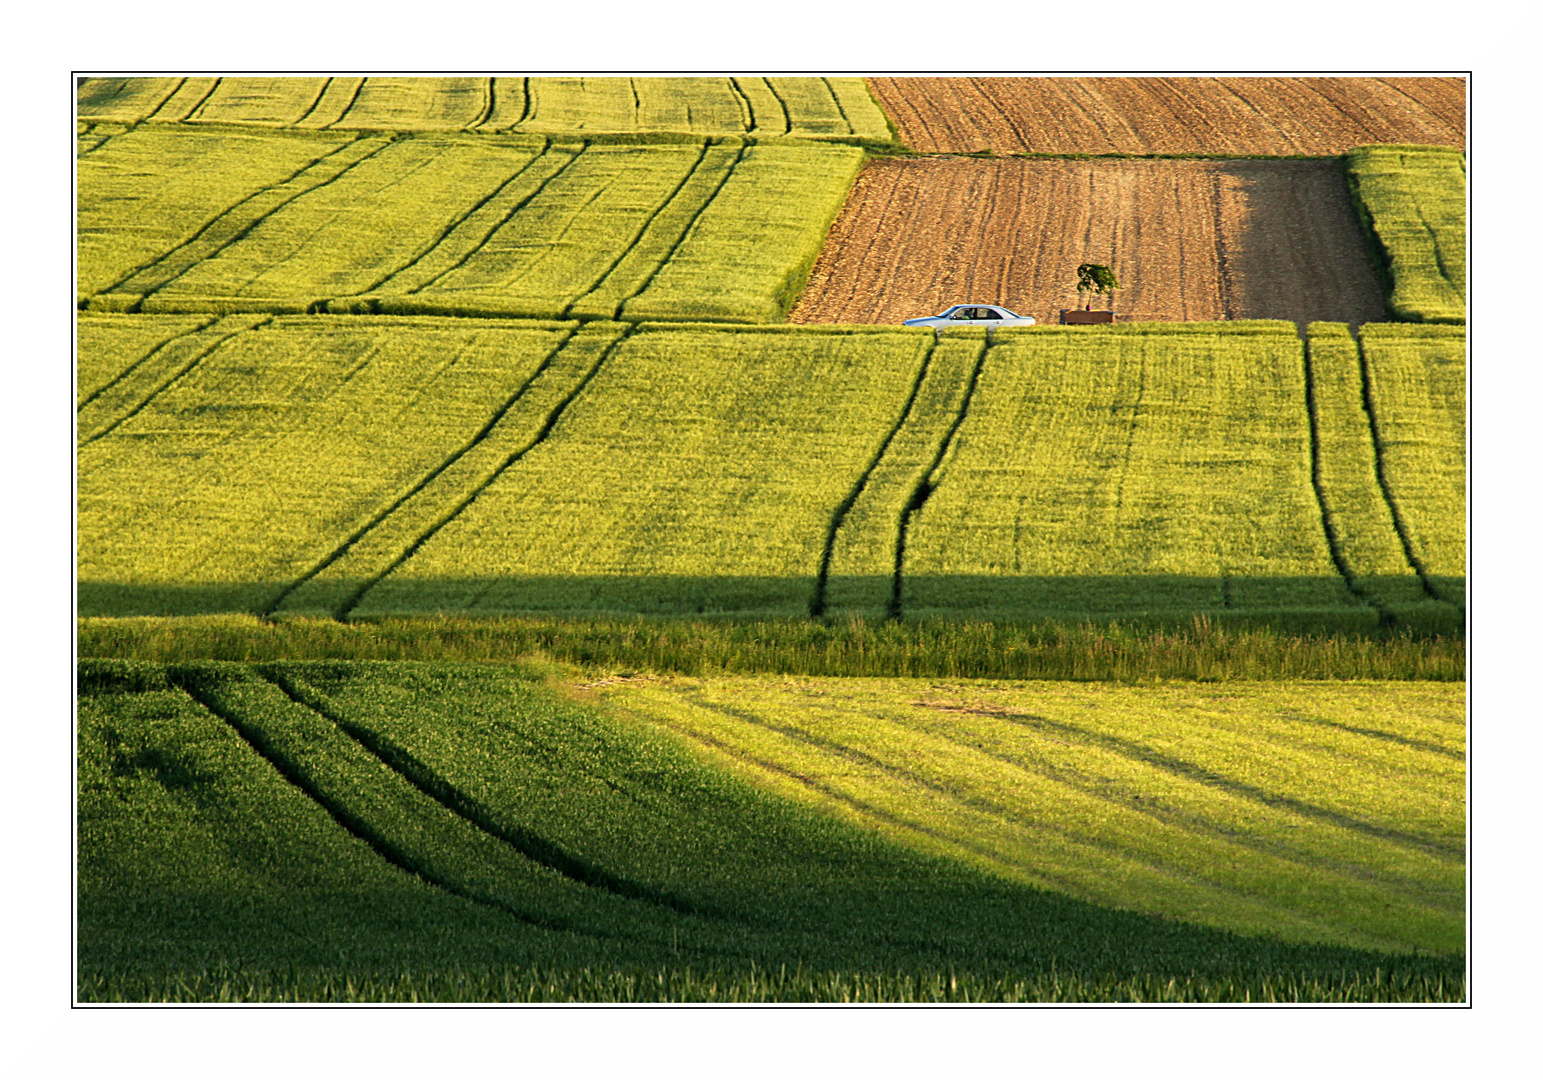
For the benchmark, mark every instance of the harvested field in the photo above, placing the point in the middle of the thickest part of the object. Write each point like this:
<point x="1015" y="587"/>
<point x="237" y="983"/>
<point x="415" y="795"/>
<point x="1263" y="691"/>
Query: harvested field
<point x="1189" y="240"/>
<point x="1172" y="116"/>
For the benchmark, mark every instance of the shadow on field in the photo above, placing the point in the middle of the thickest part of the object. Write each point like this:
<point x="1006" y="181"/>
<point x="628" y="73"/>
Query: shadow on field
<point x="1294" y="604"/>
<point x="1292" y="248"/>
<point x="237" y="815"/>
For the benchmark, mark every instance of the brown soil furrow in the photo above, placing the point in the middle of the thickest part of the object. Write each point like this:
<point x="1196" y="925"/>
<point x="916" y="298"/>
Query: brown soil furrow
<point x="988" y="93"/>
<point x="1319" y="115"/>
<point x="944" y="95"/>
<point x="1443" y="99"/>
<point x="1268" y="137"/>
<point x="948" y="123"/>
<point x="1104" y="129"/>
<point x="1193" y="240"/>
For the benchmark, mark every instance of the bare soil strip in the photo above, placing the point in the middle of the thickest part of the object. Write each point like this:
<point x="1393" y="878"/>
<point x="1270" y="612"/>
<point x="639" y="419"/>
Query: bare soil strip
<point x="1243" y="116"/>
<point x="1189" y="240"/>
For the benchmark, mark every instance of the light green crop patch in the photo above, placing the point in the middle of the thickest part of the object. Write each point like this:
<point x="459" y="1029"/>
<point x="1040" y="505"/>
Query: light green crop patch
<point x="1415" y="200"/>
<point x="227" y="221"/>
<point x="1321" y="813"/>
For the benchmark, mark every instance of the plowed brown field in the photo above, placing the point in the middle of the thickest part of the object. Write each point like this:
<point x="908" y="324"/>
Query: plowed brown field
<point x="1188" y="240"/>
<point x="1171" y="116"/>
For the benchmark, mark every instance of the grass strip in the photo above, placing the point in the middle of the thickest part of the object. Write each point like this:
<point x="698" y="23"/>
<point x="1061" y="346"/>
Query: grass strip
<point x="1202" y="650"/>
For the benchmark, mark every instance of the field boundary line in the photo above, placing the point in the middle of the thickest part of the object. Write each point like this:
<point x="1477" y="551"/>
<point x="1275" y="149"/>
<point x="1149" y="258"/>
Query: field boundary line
<point x="349" y="822"/>
<point x="926" y="485"/>
<point x="1400" y="526"/>
<point x="444" y="234"/>
<point x="838" y="516"/>
<point x="546" y="429"/>
<point x="637" y="239"/>
<point x="1385" y="615"/>
<point x="189" y="366"/>
<point x="515" y="209"/>
<point x="536" y="848"/>
<point x="621" y="305"/>
<point x="221" y="216"/>
<point x="428" y="478"/>
<point x="126" y="372"/>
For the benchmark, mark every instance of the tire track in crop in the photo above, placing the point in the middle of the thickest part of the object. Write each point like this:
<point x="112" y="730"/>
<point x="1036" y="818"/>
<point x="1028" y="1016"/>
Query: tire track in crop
<point x="822" y="577"/>
<point x="159" y="105"/>
<point x="1411" y="889"/>
<point x="525" y="106"/>
<point x="744" y="101"/>
<point x="974" y="802"/>
<point x="524" y="842"/>
<point x="352" y="100"/>
<point x="471" y="444"/>
<point x="835" y="97"/>
<point x="1136" y="752"/>
<point x="1379" y="462"/>
<point x="513" y="459"/>
<point x="156" y="351"/>
<point x="927" y="485"/>
<point x="648" y="223"/>
<point x="187" y="264"/>
<point x="1385" y="736"/>
<point x="156" y="117"/>
<point x="202" y="101"/>
<point x="176" y="377"/>
<point x="501" y="222"/>
<point x="864" y="809"/>
<point x="230" y="217"/>
<point x="1385" y="615"/>
<point x="728" y="173"/>
<point x="350" y="822"/>
<point x="787" y="117"/>
<point x="444" y="234"/>
<point x="325" y="86"/>
<point x="487" y="108"/>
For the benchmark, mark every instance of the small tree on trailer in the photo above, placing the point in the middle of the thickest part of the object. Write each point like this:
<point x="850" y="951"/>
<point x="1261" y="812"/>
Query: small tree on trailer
<point x="1099" y="280"/>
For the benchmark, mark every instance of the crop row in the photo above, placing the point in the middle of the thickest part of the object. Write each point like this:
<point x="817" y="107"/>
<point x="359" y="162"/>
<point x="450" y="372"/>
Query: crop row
<point x="312" y="818"/>
<point x="173" y="220"/>
<point x="1414" y="200"/>
<point x="808" y="108"/>
<point x="376" y="466"/>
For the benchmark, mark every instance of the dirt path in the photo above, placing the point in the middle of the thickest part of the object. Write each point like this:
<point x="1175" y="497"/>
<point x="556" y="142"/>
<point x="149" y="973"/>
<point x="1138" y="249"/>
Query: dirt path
<point x="1172" y="116"/>
<point x="1189" y="240"/>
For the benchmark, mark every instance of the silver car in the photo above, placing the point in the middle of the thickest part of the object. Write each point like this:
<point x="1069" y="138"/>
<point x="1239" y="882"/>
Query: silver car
<point x="988" y="315"/>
